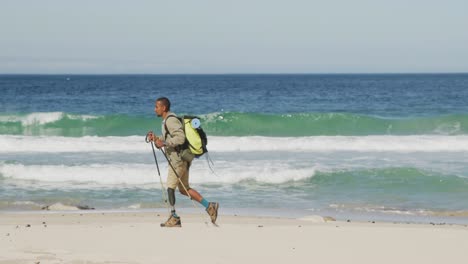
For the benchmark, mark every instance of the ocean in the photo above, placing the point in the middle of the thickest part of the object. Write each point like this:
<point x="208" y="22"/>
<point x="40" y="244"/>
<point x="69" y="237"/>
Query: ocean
<point x="380" y="147"/>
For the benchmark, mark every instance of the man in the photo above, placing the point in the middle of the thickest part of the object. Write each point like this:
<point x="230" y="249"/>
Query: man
<point x="173" y="139"/>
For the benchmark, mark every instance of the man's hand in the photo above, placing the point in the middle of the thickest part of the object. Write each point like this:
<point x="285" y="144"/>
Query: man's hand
<point x="159" y="143"/>
<point x="150" y="136"/>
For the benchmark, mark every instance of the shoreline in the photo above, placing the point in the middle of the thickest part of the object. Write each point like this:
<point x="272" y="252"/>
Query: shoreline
<point x="283" y="213"/>
<point x="77" y="237"/>
<point x="6" y="216"/>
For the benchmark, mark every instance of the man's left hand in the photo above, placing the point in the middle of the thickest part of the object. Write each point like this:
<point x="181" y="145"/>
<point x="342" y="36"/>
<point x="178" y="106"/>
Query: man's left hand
<point x="159" y="143"/>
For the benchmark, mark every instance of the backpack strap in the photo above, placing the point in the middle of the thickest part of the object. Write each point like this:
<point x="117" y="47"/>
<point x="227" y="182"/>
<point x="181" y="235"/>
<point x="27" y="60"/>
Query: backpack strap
<point x="184" y="145"/>
<point x="165" y="126"/>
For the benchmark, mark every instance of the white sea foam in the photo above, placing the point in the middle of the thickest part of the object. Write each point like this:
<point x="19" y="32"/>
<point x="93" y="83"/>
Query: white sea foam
<point x="68" y="144"/>
<point x="42" y="118"/>
<point x="269" y="172"/>
<point x="135" y="144"/>
<point x="107" y="174"/>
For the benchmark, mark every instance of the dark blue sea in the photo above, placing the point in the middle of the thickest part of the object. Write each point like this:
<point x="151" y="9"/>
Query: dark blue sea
<point x="390" y="147"/>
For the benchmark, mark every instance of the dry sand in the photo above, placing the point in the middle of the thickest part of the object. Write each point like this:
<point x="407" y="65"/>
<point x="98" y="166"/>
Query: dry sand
<point x="137" y="238"/>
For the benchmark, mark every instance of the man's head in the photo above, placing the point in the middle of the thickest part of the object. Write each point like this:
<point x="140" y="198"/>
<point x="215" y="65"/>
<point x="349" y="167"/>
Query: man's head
<point x="162" y="106"/>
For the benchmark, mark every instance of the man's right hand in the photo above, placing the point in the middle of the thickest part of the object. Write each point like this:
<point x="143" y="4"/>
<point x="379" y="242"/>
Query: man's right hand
<point x="150" y="136"/>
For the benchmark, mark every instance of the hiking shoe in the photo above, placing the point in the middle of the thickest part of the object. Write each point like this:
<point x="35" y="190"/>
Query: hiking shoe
<point x="212" y="211"/>
<point x="172" y="222"/>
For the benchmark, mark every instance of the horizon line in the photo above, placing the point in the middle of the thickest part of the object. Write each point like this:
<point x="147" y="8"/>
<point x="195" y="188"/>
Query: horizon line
<point x="265" y="73"/>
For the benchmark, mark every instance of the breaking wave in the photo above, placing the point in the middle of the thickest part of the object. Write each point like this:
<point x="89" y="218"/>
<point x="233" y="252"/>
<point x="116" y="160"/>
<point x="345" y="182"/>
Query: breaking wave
<point x="234" y="124"/>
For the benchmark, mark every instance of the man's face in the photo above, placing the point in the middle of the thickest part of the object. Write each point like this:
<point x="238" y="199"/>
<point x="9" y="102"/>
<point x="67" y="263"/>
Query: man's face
<point x="159" y="108"/>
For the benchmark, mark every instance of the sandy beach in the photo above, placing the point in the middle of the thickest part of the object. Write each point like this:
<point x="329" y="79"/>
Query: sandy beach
<point x="102" y="237"/>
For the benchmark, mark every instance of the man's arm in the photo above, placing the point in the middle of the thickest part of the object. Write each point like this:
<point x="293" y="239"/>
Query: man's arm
<point x="176" y="134"/>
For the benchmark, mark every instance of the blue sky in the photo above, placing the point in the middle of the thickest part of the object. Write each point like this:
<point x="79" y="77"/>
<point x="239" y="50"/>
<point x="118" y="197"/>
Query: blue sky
<point x="216" y="36"/>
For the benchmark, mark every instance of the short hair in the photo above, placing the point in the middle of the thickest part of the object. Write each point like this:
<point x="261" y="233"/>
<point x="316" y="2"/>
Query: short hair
<point x="164" y="101"/>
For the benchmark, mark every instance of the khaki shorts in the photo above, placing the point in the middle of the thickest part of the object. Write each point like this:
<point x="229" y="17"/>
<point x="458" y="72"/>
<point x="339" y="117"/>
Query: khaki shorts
<point x="182" y="169"/>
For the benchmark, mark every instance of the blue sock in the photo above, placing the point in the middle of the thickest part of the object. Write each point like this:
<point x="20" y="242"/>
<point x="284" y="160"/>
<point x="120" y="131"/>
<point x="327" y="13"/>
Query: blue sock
<point x="204" y="202"/>
<point x="174" y="214"/>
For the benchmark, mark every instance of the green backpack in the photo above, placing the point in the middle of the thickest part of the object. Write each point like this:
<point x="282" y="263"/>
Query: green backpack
<point x="195" y="138"/>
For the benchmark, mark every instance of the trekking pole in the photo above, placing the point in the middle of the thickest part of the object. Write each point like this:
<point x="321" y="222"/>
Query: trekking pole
<point x="159" y="173"/>
<point x="177" y="175"/>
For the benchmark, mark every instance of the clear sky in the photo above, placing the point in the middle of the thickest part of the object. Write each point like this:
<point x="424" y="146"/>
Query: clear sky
<point x="241" y="36"/>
